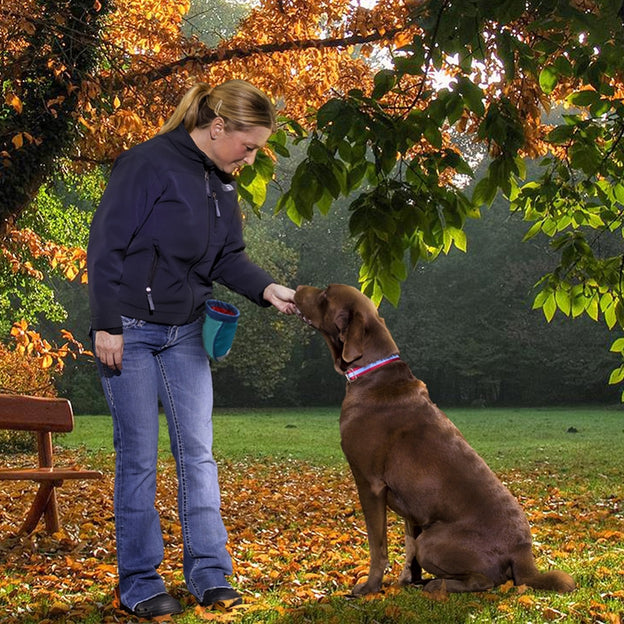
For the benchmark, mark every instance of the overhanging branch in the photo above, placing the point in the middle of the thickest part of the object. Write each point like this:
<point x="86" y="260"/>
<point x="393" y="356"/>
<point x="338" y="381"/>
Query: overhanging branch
<point x="220" y="55"/>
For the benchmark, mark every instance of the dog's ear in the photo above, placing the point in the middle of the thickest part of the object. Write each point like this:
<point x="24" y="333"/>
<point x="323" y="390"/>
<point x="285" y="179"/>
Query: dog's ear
<point x="351" y="325"/>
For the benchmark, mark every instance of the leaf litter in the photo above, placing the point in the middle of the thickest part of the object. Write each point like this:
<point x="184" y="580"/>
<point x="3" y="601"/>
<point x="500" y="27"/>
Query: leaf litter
<point x="296" y="535"/>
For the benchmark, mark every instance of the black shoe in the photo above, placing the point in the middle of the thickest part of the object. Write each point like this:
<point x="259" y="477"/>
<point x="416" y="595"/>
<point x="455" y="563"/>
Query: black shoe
<point x="222" y="598"/>
<point x="161" y="604"/>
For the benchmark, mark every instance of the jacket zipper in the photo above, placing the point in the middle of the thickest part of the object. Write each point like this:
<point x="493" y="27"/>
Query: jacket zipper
<point x="148" y="288"/>
<point x="209" y="194"/>
<point x="212" y="194"/>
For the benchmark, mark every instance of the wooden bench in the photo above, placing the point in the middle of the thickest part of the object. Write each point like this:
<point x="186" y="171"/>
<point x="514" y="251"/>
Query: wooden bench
<point x="42" y="416"/>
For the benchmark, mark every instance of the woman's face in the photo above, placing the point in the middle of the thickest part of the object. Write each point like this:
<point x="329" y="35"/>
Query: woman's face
<point x="231" y="149"/>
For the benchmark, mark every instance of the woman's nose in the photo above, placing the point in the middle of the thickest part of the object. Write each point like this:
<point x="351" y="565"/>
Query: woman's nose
<point x="250" y="157"/>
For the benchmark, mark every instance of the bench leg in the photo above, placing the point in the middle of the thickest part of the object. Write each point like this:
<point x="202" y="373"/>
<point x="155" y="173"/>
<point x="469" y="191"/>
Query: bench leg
<point x="44" y="503"/>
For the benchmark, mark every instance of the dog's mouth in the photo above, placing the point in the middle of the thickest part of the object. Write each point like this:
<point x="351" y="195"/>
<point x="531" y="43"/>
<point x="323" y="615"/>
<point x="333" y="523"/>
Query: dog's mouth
<point x="304" y="318"/>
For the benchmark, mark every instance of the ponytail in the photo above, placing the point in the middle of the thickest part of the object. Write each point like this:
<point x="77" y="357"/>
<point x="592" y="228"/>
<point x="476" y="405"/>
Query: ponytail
<point x="239" y="103"/>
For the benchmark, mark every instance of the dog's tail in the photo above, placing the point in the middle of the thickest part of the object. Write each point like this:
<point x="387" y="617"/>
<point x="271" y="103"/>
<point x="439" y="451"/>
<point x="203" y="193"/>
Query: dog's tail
<point x="526" y="573"/>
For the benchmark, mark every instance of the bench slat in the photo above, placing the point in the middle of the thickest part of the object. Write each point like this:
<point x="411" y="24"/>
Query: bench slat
<point x="47" y="474"/>
<point x="30" y="413"/>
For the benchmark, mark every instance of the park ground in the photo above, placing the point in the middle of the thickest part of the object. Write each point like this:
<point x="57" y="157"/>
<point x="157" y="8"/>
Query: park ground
<point x="297" y="533"/>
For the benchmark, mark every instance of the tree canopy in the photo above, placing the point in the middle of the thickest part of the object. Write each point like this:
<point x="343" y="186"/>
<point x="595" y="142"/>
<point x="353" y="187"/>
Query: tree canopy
<point x="388" y="101"/>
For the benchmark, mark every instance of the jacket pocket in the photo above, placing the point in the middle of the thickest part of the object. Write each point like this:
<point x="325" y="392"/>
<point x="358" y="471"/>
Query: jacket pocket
<point x="150" y="277"/>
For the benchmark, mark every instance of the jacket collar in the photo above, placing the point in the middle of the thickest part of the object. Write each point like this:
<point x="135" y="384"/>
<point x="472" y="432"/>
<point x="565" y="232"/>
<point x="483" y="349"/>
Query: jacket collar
<point x="183" y="142"/>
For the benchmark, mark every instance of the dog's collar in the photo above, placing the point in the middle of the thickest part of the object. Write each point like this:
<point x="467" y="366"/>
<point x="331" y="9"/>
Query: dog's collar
<point x="353" y="373"/>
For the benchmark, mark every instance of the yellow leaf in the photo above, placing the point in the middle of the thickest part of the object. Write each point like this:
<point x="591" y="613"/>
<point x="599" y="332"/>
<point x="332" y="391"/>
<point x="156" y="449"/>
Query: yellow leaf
<point x="15" y="102"/>
<point x="116" y="102"/>
<point x="505" y="587"/>
<point x="403" y="39"/>
<point x="526" y="601"/>
<point x="47" y="361"/>
<point x="18" y="140"/>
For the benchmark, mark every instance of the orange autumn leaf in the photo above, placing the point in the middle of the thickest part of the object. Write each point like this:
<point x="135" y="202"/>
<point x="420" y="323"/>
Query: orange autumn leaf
<point x="526" y="600"/>
<point x="15" y="102"/>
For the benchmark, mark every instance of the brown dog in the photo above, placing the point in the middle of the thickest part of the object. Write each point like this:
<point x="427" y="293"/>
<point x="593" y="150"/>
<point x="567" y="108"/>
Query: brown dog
<point x="461" y="524"/>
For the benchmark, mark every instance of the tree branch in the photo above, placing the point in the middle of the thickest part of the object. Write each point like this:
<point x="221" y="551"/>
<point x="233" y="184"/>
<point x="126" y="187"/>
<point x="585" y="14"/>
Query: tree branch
<point x="218" y="56"/>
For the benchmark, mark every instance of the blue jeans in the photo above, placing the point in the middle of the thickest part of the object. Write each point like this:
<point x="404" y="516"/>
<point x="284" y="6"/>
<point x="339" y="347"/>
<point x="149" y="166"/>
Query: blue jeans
<point x="166" y="362"/>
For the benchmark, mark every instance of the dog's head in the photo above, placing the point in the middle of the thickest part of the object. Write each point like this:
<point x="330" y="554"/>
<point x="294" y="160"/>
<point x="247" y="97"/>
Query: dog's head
<point x="349" y="322"/>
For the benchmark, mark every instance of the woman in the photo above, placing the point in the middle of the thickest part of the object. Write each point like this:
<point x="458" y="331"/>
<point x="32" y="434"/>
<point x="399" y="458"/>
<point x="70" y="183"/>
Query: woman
<point x="168" y="225"/>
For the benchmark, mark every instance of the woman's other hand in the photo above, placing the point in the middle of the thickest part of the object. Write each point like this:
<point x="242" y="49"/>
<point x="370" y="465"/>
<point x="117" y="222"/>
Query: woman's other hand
<point x="109" y="348"/>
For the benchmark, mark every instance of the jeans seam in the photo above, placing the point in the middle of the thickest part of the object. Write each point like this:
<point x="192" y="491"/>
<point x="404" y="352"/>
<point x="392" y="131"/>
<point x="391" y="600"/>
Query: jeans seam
<point x="182" y="476"/>
<point x="119" y="454"/>
<point x="180" y="448"/>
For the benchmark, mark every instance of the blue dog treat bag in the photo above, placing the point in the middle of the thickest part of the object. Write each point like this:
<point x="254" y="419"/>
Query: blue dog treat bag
<point x="219" y="328"/>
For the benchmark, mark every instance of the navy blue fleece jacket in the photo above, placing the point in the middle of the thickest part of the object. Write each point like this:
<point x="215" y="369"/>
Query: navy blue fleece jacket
<point x="168" y="225"/>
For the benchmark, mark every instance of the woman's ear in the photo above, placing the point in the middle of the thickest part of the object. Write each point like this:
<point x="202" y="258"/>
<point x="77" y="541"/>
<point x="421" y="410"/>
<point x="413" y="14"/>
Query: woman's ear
<point x="217" y="126"/>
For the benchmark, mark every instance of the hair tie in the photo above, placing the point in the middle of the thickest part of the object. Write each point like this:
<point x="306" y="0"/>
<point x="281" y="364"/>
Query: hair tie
<point x="217" y="108"/>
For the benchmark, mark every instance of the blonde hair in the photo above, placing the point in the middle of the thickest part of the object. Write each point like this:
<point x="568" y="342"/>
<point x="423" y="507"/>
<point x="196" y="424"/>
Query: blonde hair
<point x="239" y="103"/>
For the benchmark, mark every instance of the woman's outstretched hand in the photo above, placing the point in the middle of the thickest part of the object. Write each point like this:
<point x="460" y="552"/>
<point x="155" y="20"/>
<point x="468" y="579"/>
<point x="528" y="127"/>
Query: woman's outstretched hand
<point x="281" y="297"/>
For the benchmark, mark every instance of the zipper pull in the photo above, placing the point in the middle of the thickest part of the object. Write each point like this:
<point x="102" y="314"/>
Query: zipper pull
<point x="211" y="193"/>
<point x="150" y="301"/>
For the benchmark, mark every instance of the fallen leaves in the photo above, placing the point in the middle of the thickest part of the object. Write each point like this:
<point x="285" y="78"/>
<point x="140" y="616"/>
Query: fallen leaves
<point x="296" y="535"/>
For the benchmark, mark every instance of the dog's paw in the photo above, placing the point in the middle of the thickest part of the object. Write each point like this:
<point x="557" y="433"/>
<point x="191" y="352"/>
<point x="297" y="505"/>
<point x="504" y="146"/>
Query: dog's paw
<point x="361" y="589"/>
<point x="435" y="586"/>
<point x="407" y="578"/>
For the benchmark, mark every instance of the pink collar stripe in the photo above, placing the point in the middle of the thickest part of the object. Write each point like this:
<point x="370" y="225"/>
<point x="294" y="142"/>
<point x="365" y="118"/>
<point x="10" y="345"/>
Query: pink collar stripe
<point x="353" y="373"/>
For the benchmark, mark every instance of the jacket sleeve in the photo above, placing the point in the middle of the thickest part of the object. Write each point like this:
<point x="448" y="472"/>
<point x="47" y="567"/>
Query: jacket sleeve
<point x="129" y="197"/>
<point x="235" y="270"/>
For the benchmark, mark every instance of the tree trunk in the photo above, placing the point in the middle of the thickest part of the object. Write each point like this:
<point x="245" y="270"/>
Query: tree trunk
<point x="42" y="90"/>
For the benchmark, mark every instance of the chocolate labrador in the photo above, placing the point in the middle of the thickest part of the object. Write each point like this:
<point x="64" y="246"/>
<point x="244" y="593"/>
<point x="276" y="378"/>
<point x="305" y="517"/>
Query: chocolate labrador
<point x="462" y="525"/>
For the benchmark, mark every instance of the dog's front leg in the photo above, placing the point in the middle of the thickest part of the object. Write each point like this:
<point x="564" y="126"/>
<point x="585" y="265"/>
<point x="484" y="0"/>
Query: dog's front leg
<point x="373" y="501"/>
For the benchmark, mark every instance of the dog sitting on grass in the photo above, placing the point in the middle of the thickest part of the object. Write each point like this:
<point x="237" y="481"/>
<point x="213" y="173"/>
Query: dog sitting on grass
<point x="462" y="525"/>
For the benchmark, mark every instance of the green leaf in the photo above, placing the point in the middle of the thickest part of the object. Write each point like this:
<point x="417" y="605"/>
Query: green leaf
<point x="548" y="79"/>
<point x="391" y="290"/>
<point x="585" y="157"/>
<point x="484" y="192"/>
<point x="317" y="152"/>
<point x="473" y="95"/>
<point x="550" y="307"/>
<point x="329" y="112"/>
<point x="408" y="65"/>
<point x="579" y="302"/>
<point x="533" y="230"/>
<point x="560" y="134"/>
<point x="618" y="346"/>
<point x="459" y="238"/>
<point x="592" y="308"/>
<point x="616" y="376"/>
<point x="562" y="297"/>
<point x="584" y="98"/>
<point x="433" y="134"/>
<point x="384" y="81"/>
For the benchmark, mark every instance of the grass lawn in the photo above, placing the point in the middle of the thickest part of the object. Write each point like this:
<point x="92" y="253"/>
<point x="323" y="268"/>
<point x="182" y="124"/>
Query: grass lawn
<point x="297" y="533"/>
<point x="579" y="441"/>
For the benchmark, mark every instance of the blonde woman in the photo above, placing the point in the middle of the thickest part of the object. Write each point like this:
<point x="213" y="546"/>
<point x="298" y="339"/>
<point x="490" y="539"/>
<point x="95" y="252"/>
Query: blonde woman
<point x="168" y="226"/>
